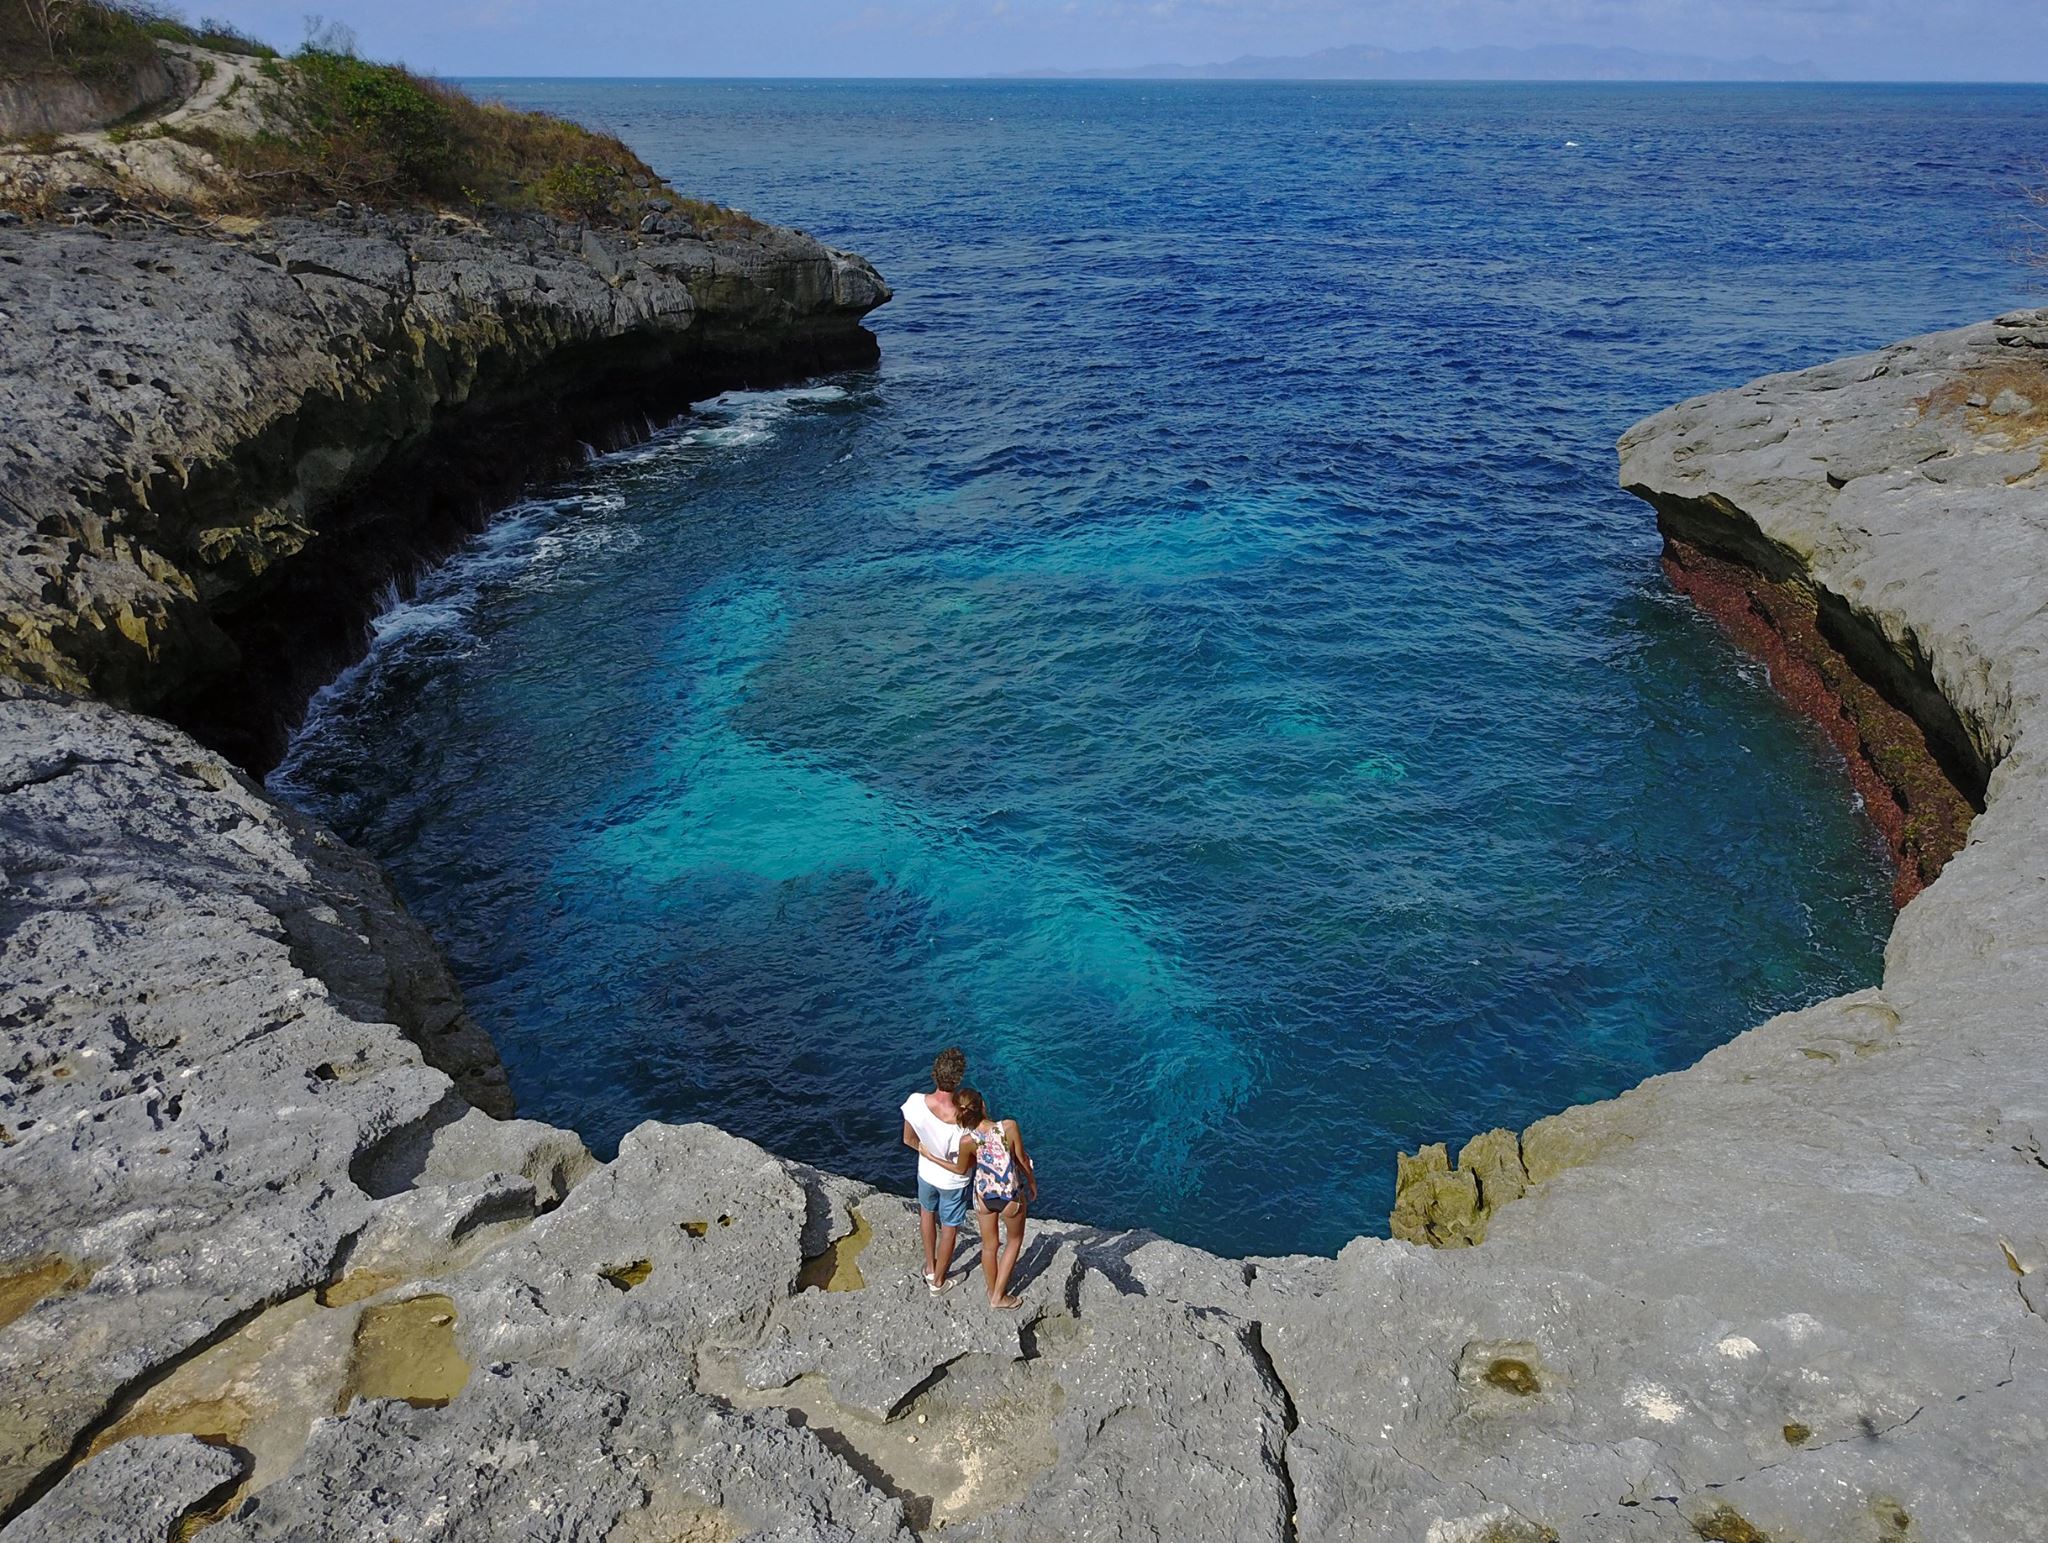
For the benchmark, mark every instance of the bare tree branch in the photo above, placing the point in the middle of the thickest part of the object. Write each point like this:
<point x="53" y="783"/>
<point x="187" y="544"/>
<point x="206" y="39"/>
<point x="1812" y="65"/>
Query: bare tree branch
<point x="49" y="18"/>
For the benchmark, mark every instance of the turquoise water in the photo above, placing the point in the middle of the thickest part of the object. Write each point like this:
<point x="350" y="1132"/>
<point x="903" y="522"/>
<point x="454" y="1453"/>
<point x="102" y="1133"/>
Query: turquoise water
<point x="1206" y="670"/>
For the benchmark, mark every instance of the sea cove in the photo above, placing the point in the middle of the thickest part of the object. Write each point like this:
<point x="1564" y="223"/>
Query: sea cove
<point x="1206" y="667"/>
<point x="1206" y="598"/>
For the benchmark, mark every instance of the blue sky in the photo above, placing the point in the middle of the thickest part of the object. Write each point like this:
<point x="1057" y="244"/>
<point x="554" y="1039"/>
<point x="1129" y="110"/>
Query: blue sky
<point x="1845" y="39"/>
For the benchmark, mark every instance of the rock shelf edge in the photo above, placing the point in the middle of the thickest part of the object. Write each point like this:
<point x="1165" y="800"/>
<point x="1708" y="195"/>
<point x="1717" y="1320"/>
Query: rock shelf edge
<point x="225" y="449"/>
<point x="268" y="1272"/>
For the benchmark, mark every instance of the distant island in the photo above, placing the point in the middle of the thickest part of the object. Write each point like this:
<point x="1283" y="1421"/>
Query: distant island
<point x="1557" y="61"/>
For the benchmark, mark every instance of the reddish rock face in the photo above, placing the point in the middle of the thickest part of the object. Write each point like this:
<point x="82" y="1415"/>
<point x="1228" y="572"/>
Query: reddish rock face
<point x="1923" y="815"/>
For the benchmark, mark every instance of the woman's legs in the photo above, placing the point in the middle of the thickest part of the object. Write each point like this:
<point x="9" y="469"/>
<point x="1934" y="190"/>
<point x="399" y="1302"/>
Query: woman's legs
<point x="1013" y="1245"/>
<point x="985" y="1219"/>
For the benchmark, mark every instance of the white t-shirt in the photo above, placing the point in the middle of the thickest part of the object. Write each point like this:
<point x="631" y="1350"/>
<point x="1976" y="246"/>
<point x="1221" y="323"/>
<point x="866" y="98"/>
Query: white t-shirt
<point x="941" y="1136"/>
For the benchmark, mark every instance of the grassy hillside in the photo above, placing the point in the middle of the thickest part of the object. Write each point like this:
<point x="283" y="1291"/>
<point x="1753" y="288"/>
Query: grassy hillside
<point x="94" y="41"/>
<point x="335" y="126"/>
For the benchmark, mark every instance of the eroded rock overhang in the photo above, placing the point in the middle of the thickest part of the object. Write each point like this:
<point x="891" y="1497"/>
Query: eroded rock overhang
<point x="221" y="451"/>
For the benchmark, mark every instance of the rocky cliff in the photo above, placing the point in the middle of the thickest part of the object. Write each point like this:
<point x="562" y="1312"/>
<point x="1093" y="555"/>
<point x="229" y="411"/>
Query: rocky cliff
<point x="221" y="449"/>
<point x="63" y="103"/>
<point x="268" y="1270"/>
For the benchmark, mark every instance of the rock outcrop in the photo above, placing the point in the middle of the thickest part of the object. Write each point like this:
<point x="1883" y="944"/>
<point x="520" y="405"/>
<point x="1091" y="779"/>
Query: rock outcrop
<point x="62" y="103"/>
<point x="1792" y="1292"/>
<point x="221" y="449"/>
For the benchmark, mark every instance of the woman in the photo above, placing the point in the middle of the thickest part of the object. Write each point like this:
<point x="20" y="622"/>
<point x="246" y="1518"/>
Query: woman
<point x="1004" y="1187"/>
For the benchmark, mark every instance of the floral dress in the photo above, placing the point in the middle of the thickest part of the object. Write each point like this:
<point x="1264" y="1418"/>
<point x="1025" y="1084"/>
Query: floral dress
<point x="995" y="1174"/>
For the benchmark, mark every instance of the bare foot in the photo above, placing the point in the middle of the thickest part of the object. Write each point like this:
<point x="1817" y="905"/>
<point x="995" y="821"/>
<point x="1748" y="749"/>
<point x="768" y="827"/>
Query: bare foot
<point x="1005" y="1303"/>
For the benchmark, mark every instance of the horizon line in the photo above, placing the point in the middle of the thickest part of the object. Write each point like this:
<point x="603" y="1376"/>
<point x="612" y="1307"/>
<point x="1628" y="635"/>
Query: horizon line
<point x="1054" y="78"/>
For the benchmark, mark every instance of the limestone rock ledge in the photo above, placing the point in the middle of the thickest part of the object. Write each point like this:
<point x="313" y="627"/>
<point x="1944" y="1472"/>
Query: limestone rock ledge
<point x="59" y="102"/>
<point x="1793" y="1292"/>
<point x="220" y="449"/>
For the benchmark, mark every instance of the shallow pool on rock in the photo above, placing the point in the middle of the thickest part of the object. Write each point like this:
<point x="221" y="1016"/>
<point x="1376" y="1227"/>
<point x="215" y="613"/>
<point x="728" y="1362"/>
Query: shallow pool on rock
<point x="1206" y="670"/>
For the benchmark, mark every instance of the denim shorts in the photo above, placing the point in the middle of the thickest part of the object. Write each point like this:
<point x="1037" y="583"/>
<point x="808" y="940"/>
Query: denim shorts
<point x="951" y="1204"/>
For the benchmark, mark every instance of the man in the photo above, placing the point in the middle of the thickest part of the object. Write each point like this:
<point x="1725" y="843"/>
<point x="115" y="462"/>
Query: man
<point x="941" y="1193"/>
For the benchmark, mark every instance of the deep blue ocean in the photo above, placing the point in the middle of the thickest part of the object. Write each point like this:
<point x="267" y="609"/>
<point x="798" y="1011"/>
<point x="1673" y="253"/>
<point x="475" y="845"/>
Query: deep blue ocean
<point x="1207" y="670"/>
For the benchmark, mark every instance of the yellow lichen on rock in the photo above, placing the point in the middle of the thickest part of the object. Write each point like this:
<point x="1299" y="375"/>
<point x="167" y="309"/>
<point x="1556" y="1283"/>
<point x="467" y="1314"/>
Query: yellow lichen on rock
<point x="24" y="1284"/>
<point x="1433" y="1204"/>
<point x="1448" y="1207"/>
<point x="835" y="1269"/>
<point x="358" y="1286"/>
<point x="406" y="1350"/>
<point x="224" y="1420"/>
<point x="626" y="1276"/>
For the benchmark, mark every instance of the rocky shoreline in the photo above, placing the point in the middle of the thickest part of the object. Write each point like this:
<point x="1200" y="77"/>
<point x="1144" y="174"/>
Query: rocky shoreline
<point x="1901" y="775"/>
<point x="225" y="449"/>
<point x="273" y="1268"/>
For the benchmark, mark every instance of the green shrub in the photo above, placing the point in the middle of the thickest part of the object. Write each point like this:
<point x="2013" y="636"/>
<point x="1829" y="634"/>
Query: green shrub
<point x="98" y="41"/>
<point x="346" y="127"/>
<point x="385" y="125"/>
<point x="216" y="35"/>
<point x="223" y="38"/>
<point x="90" y="41"/>
<point x="580" y="190"/>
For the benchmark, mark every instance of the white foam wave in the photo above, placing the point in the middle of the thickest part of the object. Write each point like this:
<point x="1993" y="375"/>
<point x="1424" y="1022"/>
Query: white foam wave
<point x="536" y="544"/>
<point x="732" y="421"/>
<point x="556" y="551"/>
<point x="412" y="620"/>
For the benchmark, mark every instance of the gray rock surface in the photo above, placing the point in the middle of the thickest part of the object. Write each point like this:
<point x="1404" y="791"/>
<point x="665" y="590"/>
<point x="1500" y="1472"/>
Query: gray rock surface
<point x="213" y="1009"/>
<point x="61" y="103"/>
<point x="1788" y="1293"/>
<point x="188" y="416"/>
<point x="137" y="1492"/>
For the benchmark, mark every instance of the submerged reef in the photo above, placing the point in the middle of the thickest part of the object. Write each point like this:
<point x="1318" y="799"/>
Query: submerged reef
<point x="274" y="1264"/>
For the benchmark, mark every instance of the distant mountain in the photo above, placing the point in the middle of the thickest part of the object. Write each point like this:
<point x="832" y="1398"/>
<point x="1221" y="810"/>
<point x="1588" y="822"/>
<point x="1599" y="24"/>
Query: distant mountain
<point x="1556" y="61"/>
